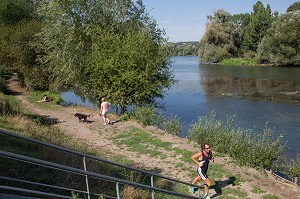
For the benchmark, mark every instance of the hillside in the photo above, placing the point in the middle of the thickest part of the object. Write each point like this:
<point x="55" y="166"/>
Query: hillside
<point x="228" y="180"/>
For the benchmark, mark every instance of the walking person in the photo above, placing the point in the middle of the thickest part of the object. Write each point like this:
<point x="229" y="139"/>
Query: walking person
<point x="104" y="110"/>
<point x="202" y="159"/>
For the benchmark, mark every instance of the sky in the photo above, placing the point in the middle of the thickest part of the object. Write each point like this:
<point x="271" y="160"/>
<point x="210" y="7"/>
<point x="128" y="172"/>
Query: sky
<point x="184" y="20"/>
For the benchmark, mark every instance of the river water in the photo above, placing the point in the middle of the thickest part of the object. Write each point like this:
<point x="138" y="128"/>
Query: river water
<point x="255" y="95"/>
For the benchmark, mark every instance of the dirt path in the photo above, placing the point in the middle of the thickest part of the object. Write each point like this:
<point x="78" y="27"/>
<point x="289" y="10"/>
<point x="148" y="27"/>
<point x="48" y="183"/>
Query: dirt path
<point x="96" y="135"/>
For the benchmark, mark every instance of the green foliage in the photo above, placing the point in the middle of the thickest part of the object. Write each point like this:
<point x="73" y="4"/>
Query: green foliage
<point x="291" y="167"/>
<point x="126" y="73"/>
<point x="295" y="6"/>
<point x="14" y="11"/>
<point x="260" y="21"/>
<point x="259" y="149"/>
<point x="239" y="62"/>
<point x="92" y="50"/>
<point x="220" y="37"/>
<point x="172" y="125"/>
<point x="38" y="95"/>
<point x="145" y="115"/>
<point x="281" y="45"/>
<point x="8" y="105"/>
<point x="183" y="48"/>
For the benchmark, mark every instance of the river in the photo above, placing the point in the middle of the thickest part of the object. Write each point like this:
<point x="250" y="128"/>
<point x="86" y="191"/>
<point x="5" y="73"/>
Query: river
<point x="255" y="95"/>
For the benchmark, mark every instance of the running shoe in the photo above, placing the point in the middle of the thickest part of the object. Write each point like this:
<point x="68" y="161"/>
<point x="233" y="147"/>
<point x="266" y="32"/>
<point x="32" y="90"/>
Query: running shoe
<point x="192" y="189"/>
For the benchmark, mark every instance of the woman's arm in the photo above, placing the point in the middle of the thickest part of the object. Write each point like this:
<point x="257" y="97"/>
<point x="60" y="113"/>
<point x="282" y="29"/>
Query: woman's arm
<point x="195" y="157"/>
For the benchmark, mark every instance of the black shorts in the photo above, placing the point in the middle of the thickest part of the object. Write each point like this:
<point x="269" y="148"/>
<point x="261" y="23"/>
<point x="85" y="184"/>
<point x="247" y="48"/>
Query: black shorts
<point x="202" y="174"/>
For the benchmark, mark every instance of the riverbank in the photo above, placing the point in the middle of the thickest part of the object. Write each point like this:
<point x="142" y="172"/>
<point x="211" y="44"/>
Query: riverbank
<point x="160" y="152"/>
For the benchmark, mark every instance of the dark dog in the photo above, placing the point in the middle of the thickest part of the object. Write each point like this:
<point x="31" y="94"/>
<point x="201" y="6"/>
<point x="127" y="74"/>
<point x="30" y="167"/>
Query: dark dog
<point x="82" y="117"/>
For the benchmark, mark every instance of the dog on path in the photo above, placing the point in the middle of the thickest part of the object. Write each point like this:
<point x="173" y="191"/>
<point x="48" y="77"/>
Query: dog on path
<point x="82" y="117"/>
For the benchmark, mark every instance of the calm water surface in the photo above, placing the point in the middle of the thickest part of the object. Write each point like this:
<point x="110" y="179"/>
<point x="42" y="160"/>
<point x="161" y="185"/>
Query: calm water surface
<point x="255" y="95"/>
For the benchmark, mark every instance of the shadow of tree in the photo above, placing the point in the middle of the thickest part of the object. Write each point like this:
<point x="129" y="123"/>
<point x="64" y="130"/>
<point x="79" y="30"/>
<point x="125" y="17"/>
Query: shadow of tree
<point x="221" y="184"/>
<point x="42" y="119"/>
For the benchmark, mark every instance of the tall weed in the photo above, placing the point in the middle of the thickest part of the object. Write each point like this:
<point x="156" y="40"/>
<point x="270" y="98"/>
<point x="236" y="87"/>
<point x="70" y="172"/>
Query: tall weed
<point x="256" y="149"/>
<point x="145" y="115"/>
<point x="172" y="125"/>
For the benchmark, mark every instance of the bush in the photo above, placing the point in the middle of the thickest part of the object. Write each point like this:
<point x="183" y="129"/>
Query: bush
<point x="8" y="105"/>
<point x="291" y="168"/>
<point x="256" y="149"/>
<point x="145" y="115"/>
<point x="172" y="125"/>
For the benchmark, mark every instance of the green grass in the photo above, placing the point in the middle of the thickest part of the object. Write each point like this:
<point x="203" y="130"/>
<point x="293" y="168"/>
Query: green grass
<point x="269" y="196"/>
<point x="239" y="62"/>
<point x="228" y="193"/>
<point x="256" y="189"/>
<point x="141" y="142"/>
<point x="38" y="95"/>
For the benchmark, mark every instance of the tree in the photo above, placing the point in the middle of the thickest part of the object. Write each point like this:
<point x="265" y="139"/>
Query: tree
<point x="260" y="20"/>
<point x="111" y="48"/>
<point x="217" y="42"/>
<point x="18" y="27"/>
<point x="281" y="45"/>
<point x="129" y="68"/>
<point x="293" y="7"/>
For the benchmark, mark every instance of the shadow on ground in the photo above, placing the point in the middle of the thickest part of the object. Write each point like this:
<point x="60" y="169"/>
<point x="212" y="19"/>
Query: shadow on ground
<point x="221" y="184"/>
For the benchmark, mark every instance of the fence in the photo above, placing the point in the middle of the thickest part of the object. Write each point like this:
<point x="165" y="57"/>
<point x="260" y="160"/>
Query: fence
<point x="89" y="176"/>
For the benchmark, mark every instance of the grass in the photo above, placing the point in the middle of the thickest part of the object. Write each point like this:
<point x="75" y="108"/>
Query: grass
<point x="140" y="141"/>
<point x="38" y="95"/>
<point x="256" y="189"/>
<point x="269" y="196"/>
<point x="229" y="193"/>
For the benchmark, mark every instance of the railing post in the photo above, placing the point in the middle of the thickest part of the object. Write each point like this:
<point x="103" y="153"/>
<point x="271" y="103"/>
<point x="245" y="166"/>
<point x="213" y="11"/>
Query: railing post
<point x="118" y="191"/>
<point x="86" y="179"/>
<point x="152" y="185"/>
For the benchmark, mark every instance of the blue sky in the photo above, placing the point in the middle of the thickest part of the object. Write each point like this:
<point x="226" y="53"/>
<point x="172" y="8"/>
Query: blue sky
<point x="184" y="20"/>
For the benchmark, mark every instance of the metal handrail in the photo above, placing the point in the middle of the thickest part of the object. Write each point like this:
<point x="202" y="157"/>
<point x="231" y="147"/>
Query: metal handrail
<point x="95" y="158"/>
<point x="52" y="165"/>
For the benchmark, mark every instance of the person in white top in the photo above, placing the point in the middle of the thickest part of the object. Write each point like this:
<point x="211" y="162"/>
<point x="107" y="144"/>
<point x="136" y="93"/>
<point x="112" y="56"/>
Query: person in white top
<point x="104" y="110"/>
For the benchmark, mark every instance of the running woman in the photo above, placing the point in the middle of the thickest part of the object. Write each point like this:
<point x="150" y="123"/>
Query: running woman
<point x="202" y="159"/>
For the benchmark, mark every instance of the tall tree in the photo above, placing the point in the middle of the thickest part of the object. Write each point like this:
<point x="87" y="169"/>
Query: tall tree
<point x="18" y="26"/>
<point x="293" y="7"/>
<point x="217" y="42"/>
<point x="100" y="47"/>
<point x="260" y="20"/>
<point x="281" y="46"/>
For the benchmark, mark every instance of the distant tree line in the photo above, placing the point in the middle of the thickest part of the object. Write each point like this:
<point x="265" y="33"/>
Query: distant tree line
<point x="189" y="48"/>
<point x="103" y="47"/>
<point x="266" y="37"/>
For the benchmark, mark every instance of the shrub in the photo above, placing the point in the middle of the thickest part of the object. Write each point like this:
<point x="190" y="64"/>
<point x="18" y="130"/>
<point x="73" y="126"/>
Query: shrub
<point x="256" y="149"/>
<point x="172" y="125"/>
<point x="145" y="115"/>
<point x="8" y="105"/>
<point x="291" y="168"/>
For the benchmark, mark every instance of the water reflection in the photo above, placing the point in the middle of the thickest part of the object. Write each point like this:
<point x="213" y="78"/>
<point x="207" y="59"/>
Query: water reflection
<point x="250" y="88"/>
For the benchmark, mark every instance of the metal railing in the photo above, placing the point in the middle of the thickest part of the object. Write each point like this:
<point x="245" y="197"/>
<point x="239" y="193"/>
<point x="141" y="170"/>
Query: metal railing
<point x="87" y="174"/>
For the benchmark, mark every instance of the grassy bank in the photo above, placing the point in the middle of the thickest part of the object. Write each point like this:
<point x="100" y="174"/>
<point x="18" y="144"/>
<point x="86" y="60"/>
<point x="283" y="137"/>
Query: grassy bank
<point x="138" y="140"/>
